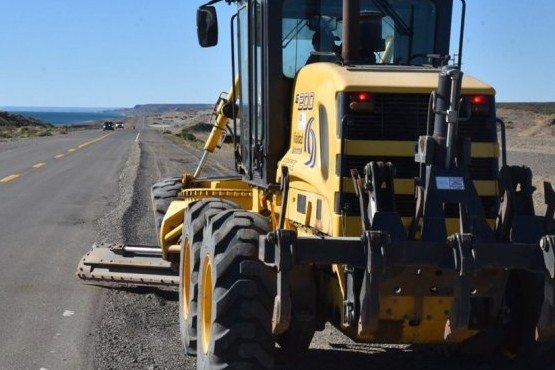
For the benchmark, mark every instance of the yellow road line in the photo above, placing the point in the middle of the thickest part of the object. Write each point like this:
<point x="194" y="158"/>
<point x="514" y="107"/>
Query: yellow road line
<point x="93" y="141"/>
<point x="10" y="178"/>
<point x="41" y="164"/>
<point x="86" y="143"/>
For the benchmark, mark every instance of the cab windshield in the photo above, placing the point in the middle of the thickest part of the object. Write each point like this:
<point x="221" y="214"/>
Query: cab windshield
<point x="400" y="32"/>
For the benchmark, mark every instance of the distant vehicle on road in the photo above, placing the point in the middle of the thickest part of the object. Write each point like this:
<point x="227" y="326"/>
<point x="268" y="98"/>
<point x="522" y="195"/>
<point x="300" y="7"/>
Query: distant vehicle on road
<point x="119" y="124"/>
<point x="108" y="125"/>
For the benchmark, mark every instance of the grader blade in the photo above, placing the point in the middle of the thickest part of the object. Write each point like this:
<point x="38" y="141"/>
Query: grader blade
<point x="133" y="264"/>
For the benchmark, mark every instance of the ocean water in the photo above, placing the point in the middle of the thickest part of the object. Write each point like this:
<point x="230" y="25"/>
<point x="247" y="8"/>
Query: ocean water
<point x="60" y="118"/>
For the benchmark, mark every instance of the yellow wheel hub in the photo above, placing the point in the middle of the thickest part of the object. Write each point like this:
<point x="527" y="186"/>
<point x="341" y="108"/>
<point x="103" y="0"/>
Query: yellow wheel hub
<point x="186" y="278"/>
<point x="206" y="303"/>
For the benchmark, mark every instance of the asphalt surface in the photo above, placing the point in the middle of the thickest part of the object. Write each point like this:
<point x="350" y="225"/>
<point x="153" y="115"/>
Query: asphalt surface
<point x="52" y="192"/>
<point x="52" y="213"/>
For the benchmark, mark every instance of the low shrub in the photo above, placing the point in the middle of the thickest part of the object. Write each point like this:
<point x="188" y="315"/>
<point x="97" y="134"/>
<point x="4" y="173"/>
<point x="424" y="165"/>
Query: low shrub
<point x="186" y="135"/>
<point x="44" y="133"/>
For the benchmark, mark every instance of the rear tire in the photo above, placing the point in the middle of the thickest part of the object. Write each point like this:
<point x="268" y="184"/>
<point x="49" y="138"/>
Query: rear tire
<point x="236" y="293"/>
<point x="197" y="215"/>
<point x="162" y="194"/>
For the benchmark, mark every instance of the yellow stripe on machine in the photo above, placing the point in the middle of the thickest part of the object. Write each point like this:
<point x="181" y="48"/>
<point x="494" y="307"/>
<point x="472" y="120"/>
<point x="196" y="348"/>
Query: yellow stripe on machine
<point x="382" y="148"/>
<point x="406" y="187"/>
<point x="391" y="148"/>
<point x="484" y="150"/>
<point x="353" y="224"/>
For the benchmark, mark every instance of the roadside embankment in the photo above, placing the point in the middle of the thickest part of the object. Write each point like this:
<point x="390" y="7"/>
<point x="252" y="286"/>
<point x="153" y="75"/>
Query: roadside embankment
<point x="16" y="127"/>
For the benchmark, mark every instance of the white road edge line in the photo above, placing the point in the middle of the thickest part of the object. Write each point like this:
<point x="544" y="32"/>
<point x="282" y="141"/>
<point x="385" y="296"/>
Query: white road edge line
<point x="137" y="138"/>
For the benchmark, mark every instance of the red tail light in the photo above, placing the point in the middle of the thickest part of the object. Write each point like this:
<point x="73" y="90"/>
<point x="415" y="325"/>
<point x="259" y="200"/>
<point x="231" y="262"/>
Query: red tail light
<point x="480" y="104"/>
<point x="361" y="97"/>
<point x="361" y="102"/>
<point x="478" y="99"/>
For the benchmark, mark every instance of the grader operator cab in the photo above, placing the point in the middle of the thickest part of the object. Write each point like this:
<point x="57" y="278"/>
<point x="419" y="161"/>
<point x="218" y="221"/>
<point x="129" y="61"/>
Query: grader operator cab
<point x="369" y="195"/>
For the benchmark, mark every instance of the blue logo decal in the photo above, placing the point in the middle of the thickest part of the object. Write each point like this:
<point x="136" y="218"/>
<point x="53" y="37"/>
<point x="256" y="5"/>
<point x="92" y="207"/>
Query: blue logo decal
<point x="310" y="143"/>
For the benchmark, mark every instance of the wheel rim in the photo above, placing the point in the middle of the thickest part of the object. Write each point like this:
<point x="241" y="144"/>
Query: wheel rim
<point x="206" y="304"/>
<point x="186" y="278"/>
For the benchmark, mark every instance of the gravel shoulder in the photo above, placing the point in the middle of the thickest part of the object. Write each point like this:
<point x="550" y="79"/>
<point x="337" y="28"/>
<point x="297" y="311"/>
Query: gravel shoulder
<point x="138" y="327"/>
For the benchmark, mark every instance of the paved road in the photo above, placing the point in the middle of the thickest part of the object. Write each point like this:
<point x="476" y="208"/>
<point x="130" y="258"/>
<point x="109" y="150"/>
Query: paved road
<point x="52" y="191"/>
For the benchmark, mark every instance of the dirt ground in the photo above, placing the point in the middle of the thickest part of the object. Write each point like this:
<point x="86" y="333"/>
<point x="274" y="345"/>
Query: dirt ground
<point x="530" y="130"/>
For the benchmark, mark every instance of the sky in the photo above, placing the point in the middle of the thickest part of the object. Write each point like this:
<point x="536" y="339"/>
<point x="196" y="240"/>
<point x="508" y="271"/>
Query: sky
<point x="119" y="53"/>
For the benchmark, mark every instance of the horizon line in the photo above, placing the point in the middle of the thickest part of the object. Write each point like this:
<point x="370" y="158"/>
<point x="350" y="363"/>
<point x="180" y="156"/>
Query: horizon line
<point x="38" y="107"/>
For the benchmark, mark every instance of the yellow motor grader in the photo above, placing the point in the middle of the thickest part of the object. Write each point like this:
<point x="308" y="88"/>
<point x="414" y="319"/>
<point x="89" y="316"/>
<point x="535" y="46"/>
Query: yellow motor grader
<point x="372" y="192"/>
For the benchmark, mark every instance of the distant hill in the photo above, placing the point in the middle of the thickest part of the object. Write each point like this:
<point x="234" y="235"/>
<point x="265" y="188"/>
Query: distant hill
<point x="542" y="108"/>
<point x="161" y="108"/>
<point x="16" y="120"/>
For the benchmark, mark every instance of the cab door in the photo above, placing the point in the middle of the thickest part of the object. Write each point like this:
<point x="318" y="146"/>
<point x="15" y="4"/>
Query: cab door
<point x="250" y="62"/>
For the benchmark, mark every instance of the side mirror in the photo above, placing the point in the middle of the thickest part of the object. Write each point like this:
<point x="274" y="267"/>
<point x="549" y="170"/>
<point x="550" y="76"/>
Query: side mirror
<point x="207" y="26"/>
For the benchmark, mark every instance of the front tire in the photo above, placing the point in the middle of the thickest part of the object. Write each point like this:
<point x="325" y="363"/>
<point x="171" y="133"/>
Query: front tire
<point x="162" y="194"/>
<point x="236" y="293"/>
<point x="197" y="215"/>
